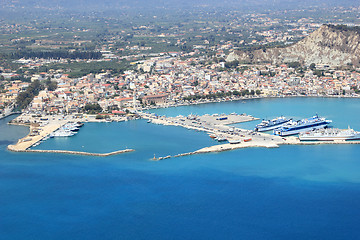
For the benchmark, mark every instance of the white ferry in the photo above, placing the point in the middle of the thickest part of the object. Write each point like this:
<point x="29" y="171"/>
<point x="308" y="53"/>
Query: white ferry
<point x="330" y="134"/>
<point x="307" y="124"/>
<point x="267" y="125"/>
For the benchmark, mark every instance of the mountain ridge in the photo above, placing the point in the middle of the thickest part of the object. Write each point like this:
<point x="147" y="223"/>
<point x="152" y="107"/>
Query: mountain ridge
<point x="330" y="45"/>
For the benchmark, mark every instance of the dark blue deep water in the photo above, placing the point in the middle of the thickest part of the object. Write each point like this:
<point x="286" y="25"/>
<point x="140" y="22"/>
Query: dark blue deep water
<point x="291" y="192"/>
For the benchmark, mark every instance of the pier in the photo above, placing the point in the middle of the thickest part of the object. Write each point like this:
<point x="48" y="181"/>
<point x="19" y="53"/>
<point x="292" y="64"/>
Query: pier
<point x="217" y="126"/>
<point x="28" y="141"/>
<point x="228" y="146"/>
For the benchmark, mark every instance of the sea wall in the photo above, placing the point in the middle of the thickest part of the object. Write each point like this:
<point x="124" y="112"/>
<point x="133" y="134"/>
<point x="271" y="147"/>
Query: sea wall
<point x="73" y="152"/>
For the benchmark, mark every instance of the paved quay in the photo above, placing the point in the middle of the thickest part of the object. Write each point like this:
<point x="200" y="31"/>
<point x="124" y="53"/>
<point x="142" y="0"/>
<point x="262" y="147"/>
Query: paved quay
<point x="28" y="141"/>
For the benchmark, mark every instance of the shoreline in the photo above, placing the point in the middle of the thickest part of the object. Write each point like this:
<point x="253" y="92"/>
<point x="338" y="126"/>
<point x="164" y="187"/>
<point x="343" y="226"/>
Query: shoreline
<point x="24" y="144"/>
<point x="241" y="99"/>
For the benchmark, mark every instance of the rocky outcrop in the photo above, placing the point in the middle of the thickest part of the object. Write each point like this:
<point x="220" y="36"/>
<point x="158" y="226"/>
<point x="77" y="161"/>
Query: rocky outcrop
<point x="330" y="45"/>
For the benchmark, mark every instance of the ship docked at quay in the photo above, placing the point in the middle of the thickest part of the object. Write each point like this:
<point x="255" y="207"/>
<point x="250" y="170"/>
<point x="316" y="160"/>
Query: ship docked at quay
<point x="267" y="125"/>
<point x="304" y="125"/>
<point x="330" y="134"/>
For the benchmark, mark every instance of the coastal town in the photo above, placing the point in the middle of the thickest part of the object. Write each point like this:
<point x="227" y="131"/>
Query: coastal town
<point x="148" y="66"/>
<point x="169" y="81"/>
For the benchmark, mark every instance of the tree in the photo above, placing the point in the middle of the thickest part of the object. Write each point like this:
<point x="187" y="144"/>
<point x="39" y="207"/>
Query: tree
<point x="92" y="108"/>
<point x="51" y="85"/>
<point x="294" y="64"/>
<point x="25" y="98"/>
<point x="312" y="66"/>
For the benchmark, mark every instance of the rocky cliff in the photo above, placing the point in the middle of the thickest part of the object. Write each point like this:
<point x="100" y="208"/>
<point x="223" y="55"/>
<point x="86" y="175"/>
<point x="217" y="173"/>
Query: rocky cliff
<point x="331" y="45"/>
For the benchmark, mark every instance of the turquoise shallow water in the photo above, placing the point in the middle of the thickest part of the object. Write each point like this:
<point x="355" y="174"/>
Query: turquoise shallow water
<point x="292" y="192"/>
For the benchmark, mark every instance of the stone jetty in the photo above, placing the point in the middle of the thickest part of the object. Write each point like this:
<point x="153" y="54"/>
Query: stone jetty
<point x="74" y="152"/>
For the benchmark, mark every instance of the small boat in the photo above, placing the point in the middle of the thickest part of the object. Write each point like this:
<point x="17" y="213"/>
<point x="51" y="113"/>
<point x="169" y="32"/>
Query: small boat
<point x="237" y="141"/>
<point x="221" y="139"/>
<point x="247" y="139"/>
<point x="212" y="136"/>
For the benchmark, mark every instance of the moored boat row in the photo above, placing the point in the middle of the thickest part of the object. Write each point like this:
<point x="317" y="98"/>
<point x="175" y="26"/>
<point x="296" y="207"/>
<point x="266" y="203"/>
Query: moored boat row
<point x="68" y="130"/>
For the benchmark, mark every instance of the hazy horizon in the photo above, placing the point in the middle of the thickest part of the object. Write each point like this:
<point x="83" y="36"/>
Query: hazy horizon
<point x="144" y="5"/>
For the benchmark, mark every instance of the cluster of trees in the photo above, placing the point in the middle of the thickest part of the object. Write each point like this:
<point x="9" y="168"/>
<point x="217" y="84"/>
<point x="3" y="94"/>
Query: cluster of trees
<point x="21" y="78"/>
<point x="223" y="94"/>
<point x="344" y="28"/>
<point x="356" y="90"/>
<point x="92" y="108"/>
<point x="232" y="64"/>
<point x="24" y="98"/>
<point x="79" y="69"/>
<point x="51" y="85"/>
<point x="294" y="64"/>
<point x="56" y="54"/>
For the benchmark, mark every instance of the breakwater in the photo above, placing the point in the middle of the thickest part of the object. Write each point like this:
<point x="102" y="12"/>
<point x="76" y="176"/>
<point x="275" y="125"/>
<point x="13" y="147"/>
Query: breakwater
<point x="72" y="152"/>
<point x="228" y="147"/>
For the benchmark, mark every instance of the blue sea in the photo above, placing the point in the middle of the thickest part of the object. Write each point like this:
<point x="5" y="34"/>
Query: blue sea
<point x="291" y="192"/>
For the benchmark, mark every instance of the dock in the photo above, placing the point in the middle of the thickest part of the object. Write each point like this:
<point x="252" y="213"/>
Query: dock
<point x="28" y="141"/>
<point x="218" y="126"/>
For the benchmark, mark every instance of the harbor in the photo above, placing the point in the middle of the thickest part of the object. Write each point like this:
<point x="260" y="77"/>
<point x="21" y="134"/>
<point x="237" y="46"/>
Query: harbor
<point x="219" y="127"/>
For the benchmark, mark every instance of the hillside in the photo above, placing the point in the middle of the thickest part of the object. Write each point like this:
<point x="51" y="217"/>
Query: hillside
<point x="330" y="45"/>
